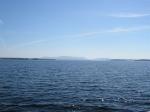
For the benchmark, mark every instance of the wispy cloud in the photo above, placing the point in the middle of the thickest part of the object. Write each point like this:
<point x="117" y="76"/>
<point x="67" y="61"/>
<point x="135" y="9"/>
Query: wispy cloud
<point x="113" y="30"/>
<point x="87" y="34"/>
<point x="129" y="29"/>
<point x="129" y="15"/>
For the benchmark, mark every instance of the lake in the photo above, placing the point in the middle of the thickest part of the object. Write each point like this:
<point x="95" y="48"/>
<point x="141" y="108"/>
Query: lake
<point x="74" y="86"/>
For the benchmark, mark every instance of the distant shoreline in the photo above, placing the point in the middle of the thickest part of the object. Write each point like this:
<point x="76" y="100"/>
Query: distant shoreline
<point x="143" y="60"/>
<point x="5" y="58"/>
<point x="25" y="59"/>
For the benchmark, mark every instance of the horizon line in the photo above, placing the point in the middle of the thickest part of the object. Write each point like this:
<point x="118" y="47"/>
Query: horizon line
<point x="84" y="58"/>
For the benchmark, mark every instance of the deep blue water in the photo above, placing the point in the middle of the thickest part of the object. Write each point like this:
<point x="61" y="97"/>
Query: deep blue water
<point x="74" y="86"/>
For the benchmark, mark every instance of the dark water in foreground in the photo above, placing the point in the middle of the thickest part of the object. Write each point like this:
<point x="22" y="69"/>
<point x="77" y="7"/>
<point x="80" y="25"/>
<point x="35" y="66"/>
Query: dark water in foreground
<point x="74" y="86"/>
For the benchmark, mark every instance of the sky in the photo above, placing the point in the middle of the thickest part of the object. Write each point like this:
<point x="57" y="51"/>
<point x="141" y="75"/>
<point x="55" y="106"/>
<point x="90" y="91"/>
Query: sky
<point x="79" y="28"/>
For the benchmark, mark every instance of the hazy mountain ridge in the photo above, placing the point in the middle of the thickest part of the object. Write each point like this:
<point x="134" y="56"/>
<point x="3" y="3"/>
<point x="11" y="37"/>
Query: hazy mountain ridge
<point x="65" y="58"/>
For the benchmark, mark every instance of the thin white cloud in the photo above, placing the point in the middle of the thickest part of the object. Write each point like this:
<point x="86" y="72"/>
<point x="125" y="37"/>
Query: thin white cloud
<point x="88" y="34"/>
<point x="129" y="15"/>
<point x="129" y="29"/>
<point x="85" y="34"/>
<point x="113" y="30"/>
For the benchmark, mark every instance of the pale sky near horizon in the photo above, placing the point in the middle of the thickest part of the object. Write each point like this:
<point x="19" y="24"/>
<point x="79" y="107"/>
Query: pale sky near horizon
<point x="82" y="28"/>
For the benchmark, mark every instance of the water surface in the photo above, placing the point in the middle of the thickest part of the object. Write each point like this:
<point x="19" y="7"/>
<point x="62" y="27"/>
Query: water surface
<point x="74" y="86"/>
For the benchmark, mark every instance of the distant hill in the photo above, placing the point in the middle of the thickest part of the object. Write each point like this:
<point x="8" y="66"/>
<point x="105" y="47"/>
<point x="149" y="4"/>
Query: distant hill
<point x="101" y="59"/>
<point x="142" y="60"/>
<point x="25" y="59"/>
<point x="65" y="58"/>
<point x="120" y="59"/>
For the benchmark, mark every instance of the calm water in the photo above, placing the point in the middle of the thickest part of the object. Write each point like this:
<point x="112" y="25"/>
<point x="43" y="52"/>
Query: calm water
<point x="74" y="86"/>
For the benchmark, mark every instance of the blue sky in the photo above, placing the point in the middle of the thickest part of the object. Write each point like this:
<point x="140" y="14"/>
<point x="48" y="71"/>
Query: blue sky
<point x="83" y="28"/>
